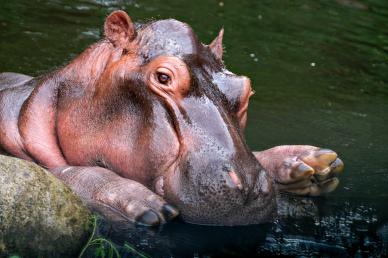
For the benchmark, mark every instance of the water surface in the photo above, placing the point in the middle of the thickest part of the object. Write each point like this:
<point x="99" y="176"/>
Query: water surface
<point x="320" y="72"/>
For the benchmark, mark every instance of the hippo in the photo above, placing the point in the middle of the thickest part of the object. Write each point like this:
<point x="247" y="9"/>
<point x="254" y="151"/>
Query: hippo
<point x="148" y="124"/>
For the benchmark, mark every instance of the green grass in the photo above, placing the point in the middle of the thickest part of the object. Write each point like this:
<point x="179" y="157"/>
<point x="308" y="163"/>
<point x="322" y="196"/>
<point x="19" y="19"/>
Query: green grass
<point x="104" y="248"/>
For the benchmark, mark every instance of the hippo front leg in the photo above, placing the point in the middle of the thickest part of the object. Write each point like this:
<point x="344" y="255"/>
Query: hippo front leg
<point x="116" y="197"/>
<point x="302" y="169"/>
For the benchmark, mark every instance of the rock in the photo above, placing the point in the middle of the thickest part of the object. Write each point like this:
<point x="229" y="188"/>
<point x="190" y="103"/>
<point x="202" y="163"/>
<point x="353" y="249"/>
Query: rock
<point x="39" y="215"/>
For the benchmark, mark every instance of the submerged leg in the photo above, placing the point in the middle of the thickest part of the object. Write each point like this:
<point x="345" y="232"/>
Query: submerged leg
<point x="302" y="169"/>
<point x="115" y="197"/>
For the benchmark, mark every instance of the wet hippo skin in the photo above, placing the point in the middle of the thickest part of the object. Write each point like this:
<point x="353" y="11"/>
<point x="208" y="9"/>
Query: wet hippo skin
<point x="147" y="124"/>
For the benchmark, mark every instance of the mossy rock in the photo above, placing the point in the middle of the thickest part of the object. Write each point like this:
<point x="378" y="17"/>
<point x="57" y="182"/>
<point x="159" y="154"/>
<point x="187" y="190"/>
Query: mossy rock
<point x="39" y="215"/>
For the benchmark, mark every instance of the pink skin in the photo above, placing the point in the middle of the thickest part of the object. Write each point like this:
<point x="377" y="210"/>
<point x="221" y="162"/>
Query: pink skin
<point x="302" y="169"/>
<point x="126" y="160"/>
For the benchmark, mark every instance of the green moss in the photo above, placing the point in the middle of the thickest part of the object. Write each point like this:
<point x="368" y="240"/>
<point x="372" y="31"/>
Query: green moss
<point x="39" y="215"/>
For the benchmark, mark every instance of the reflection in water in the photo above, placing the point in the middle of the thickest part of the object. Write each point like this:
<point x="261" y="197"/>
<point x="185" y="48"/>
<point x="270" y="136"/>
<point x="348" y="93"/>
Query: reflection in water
<point x="320" y="72"/>
<point x="305" y="227"/>
<point x="336" y="229"/>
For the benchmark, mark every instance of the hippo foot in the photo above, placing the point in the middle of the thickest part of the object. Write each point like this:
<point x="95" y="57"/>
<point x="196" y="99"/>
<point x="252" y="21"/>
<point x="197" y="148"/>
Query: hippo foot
<point x="134" y="202"/>
<point x="301" y="169"/>
<point x="116" y="198"/>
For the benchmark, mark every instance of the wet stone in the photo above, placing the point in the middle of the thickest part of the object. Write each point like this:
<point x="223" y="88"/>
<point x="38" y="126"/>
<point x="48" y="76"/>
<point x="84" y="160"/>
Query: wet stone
<point x="39" y="215"/>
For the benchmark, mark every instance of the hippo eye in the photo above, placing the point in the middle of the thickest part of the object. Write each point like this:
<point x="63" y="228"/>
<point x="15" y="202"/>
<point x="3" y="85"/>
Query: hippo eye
<point x="163" y="78"/>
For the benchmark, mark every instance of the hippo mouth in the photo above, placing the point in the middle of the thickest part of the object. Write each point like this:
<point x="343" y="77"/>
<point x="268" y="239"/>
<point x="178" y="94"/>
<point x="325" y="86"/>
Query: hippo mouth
<point x="231" y="204"/>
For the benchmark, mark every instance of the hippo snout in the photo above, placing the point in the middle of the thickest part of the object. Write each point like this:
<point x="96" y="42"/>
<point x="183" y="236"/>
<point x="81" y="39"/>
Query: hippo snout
<point x="220" y="195"/>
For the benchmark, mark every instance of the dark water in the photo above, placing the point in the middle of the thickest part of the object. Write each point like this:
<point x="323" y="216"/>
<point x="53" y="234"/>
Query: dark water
<point x="320" y="71"/>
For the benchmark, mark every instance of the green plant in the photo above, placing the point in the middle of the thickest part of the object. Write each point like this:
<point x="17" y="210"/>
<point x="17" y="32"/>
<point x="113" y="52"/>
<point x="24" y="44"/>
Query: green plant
<point x="104" y="248"/>
<point x="131" y="249"/>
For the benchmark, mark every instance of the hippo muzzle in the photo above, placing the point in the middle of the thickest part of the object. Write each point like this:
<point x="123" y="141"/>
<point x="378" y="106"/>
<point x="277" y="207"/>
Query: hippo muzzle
<point x="214" y="197"/>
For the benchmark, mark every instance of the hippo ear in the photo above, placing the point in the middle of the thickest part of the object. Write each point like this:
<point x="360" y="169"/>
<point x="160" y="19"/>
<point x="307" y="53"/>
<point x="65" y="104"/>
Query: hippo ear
<point x="119" y="28"/>
<point x="216" y="45"/>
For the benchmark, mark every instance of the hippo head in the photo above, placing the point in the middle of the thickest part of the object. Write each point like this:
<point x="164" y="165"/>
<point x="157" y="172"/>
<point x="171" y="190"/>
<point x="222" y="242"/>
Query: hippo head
<point x="212" y="177"/>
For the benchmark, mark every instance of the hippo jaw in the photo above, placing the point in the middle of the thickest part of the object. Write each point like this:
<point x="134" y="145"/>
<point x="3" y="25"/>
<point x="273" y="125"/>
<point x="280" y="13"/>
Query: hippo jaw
<point x="216" y="198"/>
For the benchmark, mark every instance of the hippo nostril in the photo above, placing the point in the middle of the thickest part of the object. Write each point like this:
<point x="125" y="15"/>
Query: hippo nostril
<point x="235" y="179"/>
